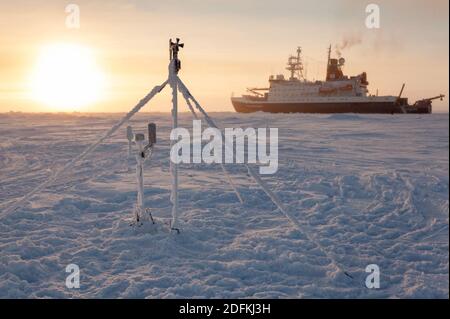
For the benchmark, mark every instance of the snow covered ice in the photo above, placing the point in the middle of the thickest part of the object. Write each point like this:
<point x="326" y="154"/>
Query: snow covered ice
<point x="372" y="189"/>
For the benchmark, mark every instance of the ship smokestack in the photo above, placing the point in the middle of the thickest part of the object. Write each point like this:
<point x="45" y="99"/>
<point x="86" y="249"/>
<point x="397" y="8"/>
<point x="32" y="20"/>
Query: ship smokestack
<point x="334" y="71"/>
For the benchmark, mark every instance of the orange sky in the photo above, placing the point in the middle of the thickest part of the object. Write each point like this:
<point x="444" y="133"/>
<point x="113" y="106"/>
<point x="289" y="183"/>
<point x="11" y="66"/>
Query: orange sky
<point x="230" y="45"/>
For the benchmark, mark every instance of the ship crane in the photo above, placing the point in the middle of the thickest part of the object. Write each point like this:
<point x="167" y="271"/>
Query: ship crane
<point x="255" y="91"/>
<point x="428" y="100"/>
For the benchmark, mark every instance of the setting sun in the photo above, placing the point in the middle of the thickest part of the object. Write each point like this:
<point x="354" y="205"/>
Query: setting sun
<point x="66" y="77"/>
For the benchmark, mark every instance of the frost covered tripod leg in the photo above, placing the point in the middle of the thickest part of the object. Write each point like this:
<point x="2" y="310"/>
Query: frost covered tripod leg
<point x="19" y="203"/>
<point x="273" y="197"/>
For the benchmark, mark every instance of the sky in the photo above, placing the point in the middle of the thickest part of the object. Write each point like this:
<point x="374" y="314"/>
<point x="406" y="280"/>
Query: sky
<point x="229" y="46"/>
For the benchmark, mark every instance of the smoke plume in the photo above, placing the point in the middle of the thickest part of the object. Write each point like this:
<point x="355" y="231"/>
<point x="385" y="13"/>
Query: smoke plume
<point x="347" y="42"/>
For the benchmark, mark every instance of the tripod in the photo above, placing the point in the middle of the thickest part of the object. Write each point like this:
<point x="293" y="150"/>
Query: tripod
<point x="177" y="85"/>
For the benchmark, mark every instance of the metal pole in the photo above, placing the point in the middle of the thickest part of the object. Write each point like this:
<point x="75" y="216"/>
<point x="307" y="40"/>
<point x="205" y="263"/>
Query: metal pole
<point x="140" y="178"/>
<point x="173" y="82"/>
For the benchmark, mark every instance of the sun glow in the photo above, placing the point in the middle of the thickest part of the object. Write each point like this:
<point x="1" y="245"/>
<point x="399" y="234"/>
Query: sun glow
<point x="67" y="78"/>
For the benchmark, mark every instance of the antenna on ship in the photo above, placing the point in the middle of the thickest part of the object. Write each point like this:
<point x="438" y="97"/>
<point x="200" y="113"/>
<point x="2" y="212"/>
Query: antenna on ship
<point x="329" y="55"/>
<point x="328" y="61"/>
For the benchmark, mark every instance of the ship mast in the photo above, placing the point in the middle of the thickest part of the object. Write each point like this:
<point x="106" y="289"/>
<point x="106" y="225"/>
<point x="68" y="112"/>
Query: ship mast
<point x="295" y="65"/>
